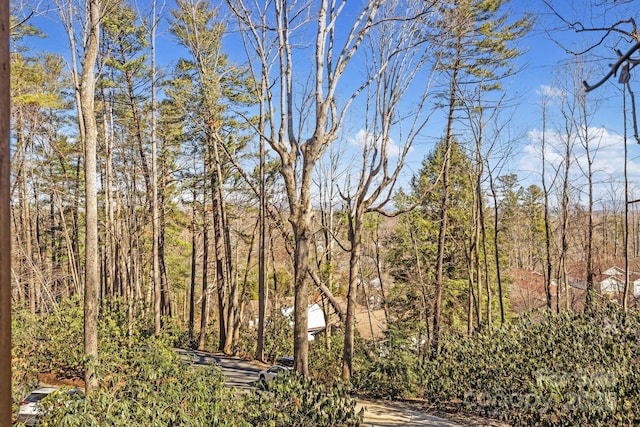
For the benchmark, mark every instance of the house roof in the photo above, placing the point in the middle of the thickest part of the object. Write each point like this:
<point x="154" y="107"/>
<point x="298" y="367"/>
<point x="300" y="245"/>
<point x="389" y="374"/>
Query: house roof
<point x="613" y="271"/>
<point x="617" y="273"/>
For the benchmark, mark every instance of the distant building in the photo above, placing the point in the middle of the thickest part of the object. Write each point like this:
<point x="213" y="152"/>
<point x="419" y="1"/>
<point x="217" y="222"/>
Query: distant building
<point x="611" y="284"/>
<point x="635" y="279"/>
<point x="612" y="281"/>
<point x="315" y="319"/>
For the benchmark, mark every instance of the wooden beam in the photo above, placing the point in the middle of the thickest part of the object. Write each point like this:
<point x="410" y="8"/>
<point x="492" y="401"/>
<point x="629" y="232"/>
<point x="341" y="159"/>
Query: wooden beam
<point x="5" y="221"/>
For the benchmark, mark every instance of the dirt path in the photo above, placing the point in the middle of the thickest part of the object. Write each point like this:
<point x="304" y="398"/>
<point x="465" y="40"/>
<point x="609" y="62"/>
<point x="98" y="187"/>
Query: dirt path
<point x="379" y="414"/>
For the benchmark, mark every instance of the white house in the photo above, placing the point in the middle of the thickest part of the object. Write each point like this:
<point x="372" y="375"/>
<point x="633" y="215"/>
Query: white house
<point x="613" y="278"/>
<point x="612" y="284"/>
<point x="315" y="319"/>
<point x="636" y="287"/>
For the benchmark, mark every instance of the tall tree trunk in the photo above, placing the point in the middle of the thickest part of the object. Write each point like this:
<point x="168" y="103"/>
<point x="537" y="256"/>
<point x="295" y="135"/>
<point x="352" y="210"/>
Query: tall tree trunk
<point x="355" y="237"/>
<point x="444" y="208"/>
<point x="232" y="322"/>
<point x="565" y="229"/>
<point x="220" y="265"/>
<point x="110" y="261"/>
<point x="92" y="283"/>
<point x="204" y="312"/>
<point x="67" y="14"/>
<point x="167" y="308"/>
<point x="224" y="253"/>
<point x="302" y="235"/>
<point x="244" y="292"/>
<point x="155" y="216"/>
<point x="471" y="269"/>
<point x="496" y="246"/>
<point x="479" y="233"/>
<point x="485" y="266"/>
<point x="262" y="289"/>
<point x="584" y="128"/>
<point x="547" y="219"/>
<point x="478" y="266"/>
<point x="625" y="292"/>
<point x="25" y="216"/>
<point x="232" y="304"/>
<point x="75" y="240"/>
<point x="192" y="293"/>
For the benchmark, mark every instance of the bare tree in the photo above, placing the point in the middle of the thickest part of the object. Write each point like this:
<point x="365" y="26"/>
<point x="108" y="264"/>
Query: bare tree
<point x="622" y="30"/>
<point x="262" y="238"/>
<point x="297" y="111"/>
<point x="398" y="52"/>
<point x="567" y="157"/>
<point x="583" y="116"/>
<point x="570" y="128"/>
<point x="625" y="291"/>
<point x="84" y="88"/>
<point x="548" y="269"/>
<point x="487" y="130"/>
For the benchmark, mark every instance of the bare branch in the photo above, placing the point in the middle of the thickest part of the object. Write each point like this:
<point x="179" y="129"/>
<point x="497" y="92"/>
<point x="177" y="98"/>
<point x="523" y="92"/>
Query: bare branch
<point x="614" y="68"/>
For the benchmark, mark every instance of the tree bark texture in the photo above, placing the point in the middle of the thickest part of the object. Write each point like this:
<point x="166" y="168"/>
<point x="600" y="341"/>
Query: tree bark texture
<point x="92" y="279"/>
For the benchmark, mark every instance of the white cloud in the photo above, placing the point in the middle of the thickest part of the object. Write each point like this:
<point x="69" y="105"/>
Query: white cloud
<point x="606" y="152"/>
<point x="364" y="139"/>
<point x="550" y="91"/>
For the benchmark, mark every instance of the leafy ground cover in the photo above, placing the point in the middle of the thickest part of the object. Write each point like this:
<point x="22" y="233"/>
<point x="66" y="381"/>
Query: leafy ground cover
<point x="143" y="382"/>
<point x="563" y="369"/>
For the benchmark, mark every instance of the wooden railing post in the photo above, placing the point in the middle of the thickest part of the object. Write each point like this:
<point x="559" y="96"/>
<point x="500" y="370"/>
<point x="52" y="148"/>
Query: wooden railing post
<point x="5" y="233"/>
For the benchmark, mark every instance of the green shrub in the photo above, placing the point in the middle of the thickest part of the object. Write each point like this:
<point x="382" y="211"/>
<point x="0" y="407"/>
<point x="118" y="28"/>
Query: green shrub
<point x="152" y="386"/>
<point x="325" y="365"/>
<point x="568" y="369"/>
<point x="49" y="343"/>
<point x="393" y="374"/>
<point x="278" y="336"/>
<point x="293" y="400"/>
<point x="143" y="382"/>
<point x="247" y="341"/>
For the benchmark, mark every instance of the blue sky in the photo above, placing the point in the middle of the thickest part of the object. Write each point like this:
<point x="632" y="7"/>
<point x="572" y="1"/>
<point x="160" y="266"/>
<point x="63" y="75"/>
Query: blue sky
<point x="546" y="59"/>
<point x="541" y="74"/>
